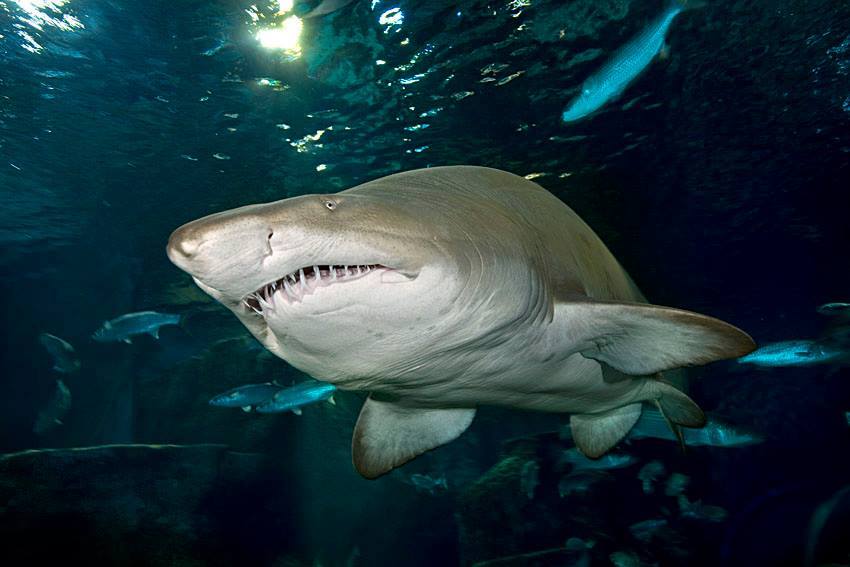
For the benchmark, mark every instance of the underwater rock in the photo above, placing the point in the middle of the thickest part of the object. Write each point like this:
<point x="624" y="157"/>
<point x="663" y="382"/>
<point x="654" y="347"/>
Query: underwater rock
<point x="143" y="504"/>
<point x="500" y="525"/>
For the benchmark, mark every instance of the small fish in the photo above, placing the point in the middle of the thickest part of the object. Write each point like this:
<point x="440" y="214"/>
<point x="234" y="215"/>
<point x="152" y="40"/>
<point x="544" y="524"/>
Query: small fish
<point x="580" y="550"/>
<point x="297" y="396"/>
<point x="55" y="410"/>
<point x="715" y="433"/>
<point x="529" y="478"/>
<point x="578" y="544"/>
<point x="676" y="484"/>
<point x="579" y="482"/>
<point x="327" y="7"/>
<point x="606" y="462"/>
<point x="610" y="80"/>
<point x="246" y="396"/>
<point x="64" y="356"/>
<point x="644" y="530"/>
<point x="699" y="511"/>
<point x="126" y="326"/>
<point x="834" y="308"/>
<point x="649" y="475"/>
<point x="429" y="484"/>
<point x="624" y="559"/>
<point x="793" y="353"/>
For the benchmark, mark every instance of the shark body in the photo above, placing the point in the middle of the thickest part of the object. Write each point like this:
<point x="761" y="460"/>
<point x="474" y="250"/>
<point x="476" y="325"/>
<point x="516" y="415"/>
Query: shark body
<point x="442" y="289"/>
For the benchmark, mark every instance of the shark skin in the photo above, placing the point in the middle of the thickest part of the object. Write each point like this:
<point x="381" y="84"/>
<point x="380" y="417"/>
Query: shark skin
<point x="442" y="289"/>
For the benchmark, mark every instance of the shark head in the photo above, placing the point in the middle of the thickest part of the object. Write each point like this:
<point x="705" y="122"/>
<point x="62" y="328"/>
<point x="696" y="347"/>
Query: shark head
<point x="323" y="280"/>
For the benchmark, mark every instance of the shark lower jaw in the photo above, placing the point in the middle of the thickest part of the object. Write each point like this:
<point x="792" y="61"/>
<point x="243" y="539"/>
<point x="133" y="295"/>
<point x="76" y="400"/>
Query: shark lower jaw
<point x="293" y="288"/>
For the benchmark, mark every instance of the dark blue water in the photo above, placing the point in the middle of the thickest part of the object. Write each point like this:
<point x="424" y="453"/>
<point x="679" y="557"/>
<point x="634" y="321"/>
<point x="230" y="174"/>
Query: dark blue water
<point x="720" y="179"/>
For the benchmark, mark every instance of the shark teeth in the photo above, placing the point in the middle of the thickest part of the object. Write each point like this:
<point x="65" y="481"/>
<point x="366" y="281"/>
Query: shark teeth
<point x="294" y="286"/>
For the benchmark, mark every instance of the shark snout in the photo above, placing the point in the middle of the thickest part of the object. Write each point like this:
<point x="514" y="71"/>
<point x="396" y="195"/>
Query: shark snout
<point x="183" y="245"/>
<point x="222" y="249"/>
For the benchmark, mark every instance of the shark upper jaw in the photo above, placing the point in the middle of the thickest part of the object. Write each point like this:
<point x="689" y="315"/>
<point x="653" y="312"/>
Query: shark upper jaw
<point x="293" y="288"/>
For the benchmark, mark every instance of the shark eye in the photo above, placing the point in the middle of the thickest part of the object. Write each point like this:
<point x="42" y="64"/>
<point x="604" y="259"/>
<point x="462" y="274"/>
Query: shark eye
<point x="330" y="204"/>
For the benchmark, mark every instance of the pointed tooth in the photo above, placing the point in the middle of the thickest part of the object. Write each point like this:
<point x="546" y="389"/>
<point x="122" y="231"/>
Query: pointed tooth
<point x="345" y="271"/>
<point x="317" y="274"/>
<point x="265" y="304"/>
<point x="301" y="278"/>
<point x="333" y="273"/>
<point x="288" y="288"/>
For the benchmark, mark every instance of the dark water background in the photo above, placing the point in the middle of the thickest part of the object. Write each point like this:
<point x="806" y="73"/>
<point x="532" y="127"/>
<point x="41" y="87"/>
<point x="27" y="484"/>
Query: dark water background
<point x="720" y="179"/>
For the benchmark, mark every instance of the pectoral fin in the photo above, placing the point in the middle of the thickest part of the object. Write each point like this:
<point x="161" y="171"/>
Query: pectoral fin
<point x="641" y="339"/>
<point x="388" y="435"/>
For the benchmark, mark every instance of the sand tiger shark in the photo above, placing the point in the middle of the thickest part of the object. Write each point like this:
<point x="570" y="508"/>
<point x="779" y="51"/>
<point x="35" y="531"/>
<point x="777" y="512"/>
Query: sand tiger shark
<point x="439" y="290"/>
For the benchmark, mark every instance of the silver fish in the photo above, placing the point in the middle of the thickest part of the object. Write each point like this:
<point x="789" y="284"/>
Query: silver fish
<point x="427" y="483"/>
<point x="715" y="433"/>
<point x="649" y="475"/>
<point x="55" y="410"/>
<point x="609" y="461"/>
<point x="297" y="396"/>
<point x="700" y="511"/>
<point x="793" y="353"/>
<point x="246" y="396"/>
<point x="834" y="308"/>
<point x="126" y="326"/>
<point x="579" y="482"/>
<point x="644" y="530"/>
<point x="65" y="358"/>
<point x="623" y="67"/>
<point x="529" y="478"/>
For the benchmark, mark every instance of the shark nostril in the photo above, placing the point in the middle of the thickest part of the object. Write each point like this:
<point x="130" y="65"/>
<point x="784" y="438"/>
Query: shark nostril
<point x="182" y="248"/>
<point x="269" y="242"/>
<point x="187" y="248"/>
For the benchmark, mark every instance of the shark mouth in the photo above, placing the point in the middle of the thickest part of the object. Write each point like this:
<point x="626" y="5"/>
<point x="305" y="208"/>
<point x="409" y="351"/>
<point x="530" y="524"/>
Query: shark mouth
<point x="295" y="286"/>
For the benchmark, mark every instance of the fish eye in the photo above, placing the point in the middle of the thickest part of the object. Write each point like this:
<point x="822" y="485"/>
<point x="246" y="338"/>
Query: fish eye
<point x="331" y="205"/>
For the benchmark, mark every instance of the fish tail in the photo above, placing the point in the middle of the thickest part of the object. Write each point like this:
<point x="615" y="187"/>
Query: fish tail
<point x="182" y="319"/>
